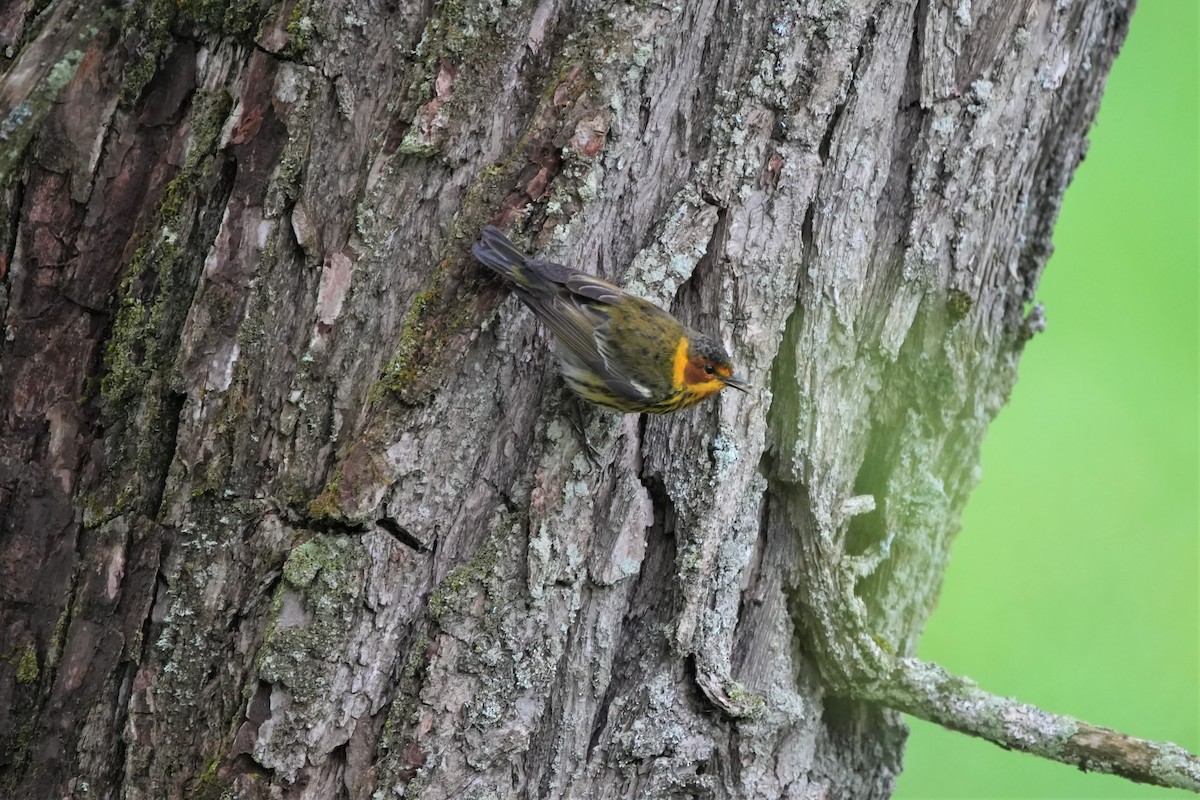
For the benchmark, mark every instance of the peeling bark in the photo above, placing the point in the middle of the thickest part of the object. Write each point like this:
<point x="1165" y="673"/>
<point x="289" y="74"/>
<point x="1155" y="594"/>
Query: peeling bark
<point x="290" y="499"/>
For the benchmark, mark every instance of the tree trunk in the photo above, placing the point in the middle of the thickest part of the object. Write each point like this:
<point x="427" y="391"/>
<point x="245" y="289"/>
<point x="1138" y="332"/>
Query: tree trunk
<point x="291" y="503"/>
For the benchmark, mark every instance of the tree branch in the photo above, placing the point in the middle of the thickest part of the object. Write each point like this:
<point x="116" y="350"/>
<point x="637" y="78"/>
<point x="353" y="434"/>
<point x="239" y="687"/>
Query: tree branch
<point x="927" y="691"/>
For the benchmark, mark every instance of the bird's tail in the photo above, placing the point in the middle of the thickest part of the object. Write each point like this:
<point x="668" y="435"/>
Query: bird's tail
<point x="496" y="252"/>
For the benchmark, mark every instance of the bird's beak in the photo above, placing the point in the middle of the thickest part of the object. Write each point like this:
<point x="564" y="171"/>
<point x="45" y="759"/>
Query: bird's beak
<point x="737" y="383"/>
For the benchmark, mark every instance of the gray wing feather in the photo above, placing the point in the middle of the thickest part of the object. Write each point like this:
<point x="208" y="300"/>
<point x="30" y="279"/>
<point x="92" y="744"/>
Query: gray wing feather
<point x="593" y="288"/>
<point x="580" y="283"/>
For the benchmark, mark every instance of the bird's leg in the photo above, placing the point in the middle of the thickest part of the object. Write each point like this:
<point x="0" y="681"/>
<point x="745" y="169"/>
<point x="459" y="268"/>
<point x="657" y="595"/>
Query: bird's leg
<point x="575" y="413"/>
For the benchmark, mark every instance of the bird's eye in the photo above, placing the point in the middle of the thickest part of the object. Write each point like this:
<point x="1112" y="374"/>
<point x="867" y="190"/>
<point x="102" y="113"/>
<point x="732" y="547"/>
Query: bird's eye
<point x="708" y="369"/>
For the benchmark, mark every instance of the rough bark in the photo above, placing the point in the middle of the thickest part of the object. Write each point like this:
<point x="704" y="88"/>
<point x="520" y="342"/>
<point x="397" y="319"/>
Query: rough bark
<point x="290" y="501"/>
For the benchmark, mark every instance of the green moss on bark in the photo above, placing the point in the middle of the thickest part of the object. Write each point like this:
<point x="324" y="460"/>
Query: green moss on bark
<point x="27" y="666"/>
<point x="152" y="27"/>
<point x="157" y="291"/>
<point x="315" y="609"/>
<point x="301" y="29"/>
<point x="457" y="592"/>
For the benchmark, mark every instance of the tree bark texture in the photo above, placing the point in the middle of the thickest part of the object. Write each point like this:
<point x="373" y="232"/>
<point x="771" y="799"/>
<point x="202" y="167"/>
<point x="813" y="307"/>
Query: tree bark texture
<point x="291" y="504"/>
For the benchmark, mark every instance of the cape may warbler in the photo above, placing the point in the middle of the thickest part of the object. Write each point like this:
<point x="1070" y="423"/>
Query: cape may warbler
<point x="615" y="350"/>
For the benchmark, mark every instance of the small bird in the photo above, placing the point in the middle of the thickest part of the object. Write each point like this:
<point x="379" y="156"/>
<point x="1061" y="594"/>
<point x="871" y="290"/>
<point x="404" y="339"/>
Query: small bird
<point x="614" y="349"/>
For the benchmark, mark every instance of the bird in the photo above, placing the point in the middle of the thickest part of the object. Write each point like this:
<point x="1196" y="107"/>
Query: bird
<point x="615" y="350"/>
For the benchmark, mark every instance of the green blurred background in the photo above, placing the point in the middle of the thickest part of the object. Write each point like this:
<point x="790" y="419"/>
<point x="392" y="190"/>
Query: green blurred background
<point x="1075" y="582"/>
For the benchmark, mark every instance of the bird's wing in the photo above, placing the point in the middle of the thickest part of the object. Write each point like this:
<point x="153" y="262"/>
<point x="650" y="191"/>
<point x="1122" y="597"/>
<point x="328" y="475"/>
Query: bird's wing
<point x="592" y="288"/>
<point x="572" y="304"/>
<point x="581" y="329"/>
<point x="619" y="383"/>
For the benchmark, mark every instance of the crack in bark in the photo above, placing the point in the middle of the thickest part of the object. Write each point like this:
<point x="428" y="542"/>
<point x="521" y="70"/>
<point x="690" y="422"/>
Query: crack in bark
<point x="401" y="535"/>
